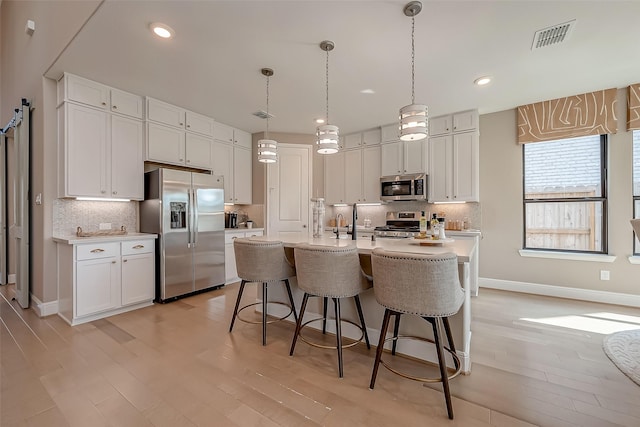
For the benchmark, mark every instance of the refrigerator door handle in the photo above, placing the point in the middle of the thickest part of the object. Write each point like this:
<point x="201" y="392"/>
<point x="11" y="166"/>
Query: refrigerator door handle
<point x="189" y="218"/>
<point x="195" y="217"/>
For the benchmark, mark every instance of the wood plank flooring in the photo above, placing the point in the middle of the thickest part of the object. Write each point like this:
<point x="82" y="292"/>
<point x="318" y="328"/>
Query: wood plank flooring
<point x="177" y="365"/>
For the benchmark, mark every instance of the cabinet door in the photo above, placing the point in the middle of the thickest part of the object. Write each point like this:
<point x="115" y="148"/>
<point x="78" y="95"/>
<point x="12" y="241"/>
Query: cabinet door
<point x="127" y="164"/>
<point x="439" y="125"/>
<point x="97" y="286"/>
<point x="352" y="141"/>
<point x="164" y="113"/>
<point x="242" y="138"/>
<point x="390" y="133"/>
<point x="138" y="278"/>
<point x="391" y="155"/>
<point x="222" y="164"/>
<point x="465" y="167"/>
<point x="371" y="174"/>
<point x="222" y="132"/>
<point x="126" y="103"/>
<point x="465" y="121"/>
<point x="85" y="152"/>
<point x="334" y="191"/>
<point x="86" y="91"/>
<point x="415" y="159"/>
<point x="242" y="177"/>
<point x="353" y="176"/>
<point x="199" y="123"/>
<point x="198" y="151"/>
<point x="165" y="144"/>
<point x="371" y="137"/>
<point x="439" y="185"/>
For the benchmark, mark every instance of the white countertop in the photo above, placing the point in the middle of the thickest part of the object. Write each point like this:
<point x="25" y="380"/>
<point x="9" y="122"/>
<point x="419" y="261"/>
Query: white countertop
<point x="75" y="240"/>
<point x="463" y="248"/>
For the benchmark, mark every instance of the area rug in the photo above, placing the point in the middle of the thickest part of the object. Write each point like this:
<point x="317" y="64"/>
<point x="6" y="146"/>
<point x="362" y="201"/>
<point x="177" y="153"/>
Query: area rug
<point x="623" y="348"/>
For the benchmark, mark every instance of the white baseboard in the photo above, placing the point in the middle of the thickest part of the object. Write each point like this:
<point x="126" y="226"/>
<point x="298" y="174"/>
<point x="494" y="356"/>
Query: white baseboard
<point x="11" y="278"/>
<point x="562" y="292"/>
<point x="43" y="309"/>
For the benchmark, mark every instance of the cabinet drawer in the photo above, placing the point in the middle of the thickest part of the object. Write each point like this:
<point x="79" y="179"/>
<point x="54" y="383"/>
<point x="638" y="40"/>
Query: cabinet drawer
<point x="230" y="237"/>
<point x="135" y="247"/>
<point x="97" y="250"/>
<point x="253" y="233"/>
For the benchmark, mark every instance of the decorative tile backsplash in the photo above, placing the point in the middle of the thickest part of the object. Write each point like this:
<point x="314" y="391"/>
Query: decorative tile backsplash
<point x="70" y="214"/>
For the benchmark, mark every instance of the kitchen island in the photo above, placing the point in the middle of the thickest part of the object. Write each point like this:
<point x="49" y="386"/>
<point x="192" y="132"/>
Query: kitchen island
<point x="373" y="312"/>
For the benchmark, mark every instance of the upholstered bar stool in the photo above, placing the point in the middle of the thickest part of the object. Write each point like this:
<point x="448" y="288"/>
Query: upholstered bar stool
<point x="330" y="272"/>
<point x="262" y="262"/>
<point x="422" y="285"/>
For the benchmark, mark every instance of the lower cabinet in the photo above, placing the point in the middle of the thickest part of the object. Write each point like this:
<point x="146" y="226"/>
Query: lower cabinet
<point x="97" y="280"/>
<point x="231" y="273"/>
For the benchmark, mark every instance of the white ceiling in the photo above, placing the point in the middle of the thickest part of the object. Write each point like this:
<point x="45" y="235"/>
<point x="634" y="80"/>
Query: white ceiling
<point x="212" y="66"/>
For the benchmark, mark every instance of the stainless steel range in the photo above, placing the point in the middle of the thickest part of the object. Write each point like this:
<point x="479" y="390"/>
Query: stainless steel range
<point x="404" y="225"/>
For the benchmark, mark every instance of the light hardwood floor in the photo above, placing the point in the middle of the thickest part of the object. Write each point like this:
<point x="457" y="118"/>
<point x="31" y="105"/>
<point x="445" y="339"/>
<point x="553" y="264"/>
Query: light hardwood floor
<point x="177" y="365"/>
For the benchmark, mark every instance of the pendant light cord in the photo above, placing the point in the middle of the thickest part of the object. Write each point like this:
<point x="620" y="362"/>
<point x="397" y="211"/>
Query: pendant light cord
<point x="413" y="59"/>
<point x="267" y="132"/>
<point x="327" y="84"/>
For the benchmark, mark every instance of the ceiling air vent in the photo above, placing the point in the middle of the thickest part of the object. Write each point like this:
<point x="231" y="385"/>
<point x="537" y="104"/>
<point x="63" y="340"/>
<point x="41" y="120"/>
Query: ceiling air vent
<point x="263" y="114"/>
<point x="552" y="35"/>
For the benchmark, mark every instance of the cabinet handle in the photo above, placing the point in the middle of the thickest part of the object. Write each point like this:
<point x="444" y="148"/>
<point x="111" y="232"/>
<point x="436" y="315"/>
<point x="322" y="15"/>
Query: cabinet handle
<point x="182" y="160"/>
<point x="188" y="161"/>
<point x="124" y="260"/>
<point x="115" y="107"/>
<point x="103" y="191"/>
<point x="233" y="238"/>
<point x="104" y="103"/>
<point x="138" y="247"/>
<point x="115" y="192"/>
<point x="97" y="251"/>
<point x="113" y="262"/>
<point x="188" y="126"/>
<point x="181" y="124"/>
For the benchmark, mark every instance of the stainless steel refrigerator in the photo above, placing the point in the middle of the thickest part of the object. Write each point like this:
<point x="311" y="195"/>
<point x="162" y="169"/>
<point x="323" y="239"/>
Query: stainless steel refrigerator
<point x="186" y="210"/>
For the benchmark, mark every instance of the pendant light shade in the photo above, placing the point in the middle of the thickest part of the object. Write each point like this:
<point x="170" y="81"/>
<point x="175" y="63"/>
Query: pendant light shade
<point x="327" y="135"/>
<point x="267" y="148"/>
<point x="414" y="118"/>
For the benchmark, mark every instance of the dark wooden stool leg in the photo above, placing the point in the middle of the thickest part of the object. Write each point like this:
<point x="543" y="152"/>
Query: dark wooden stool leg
<point x="264" y="313"/>
<point x="324" y="314"/>
<point x="299" y="323"/>
<point x="293" y="305"/>
<point x="383" y="334"/>
<point x="396" y="328"/>
<point x="364" y="327"/>
<point x="444" y="376"/>
<point x="235" y="311"/>
<point x="336" y="303"/>
<point x="452" y="347"/>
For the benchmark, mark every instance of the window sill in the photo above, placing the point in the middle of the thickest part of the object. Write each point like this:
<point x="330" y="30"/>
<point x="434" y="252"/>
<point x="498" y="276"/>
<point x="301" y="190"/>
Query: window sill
<point x="634" y="259"/>
<point x="568" y="256"/>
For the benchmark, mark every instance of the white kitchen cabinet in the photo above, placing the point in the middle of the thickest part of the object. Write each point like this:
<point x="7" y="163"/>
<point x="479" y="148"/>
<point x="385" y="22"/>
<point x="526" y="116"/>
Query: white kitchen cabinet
<point x="334" y="178"/>
<point x="99" y="279"/>
<point x="222" y="164"/>
<point x="390" y="133"/>
<point x="455" y="168"/>
<point x="165" y="144"/>
<point x="198" y="151"/>
<point x="230" y="135"/>
<point x="199" y="124"/>
<point x="242" y="176"/>
<point x="356" y="140"/>
<point x="126" y="103"/>
<point x="362" y="175"/>
<point x="404" y="157"/>
<point x="165" y="113"/>
<point x="100" y="154"/>
<point x="463" y="121"/>
<point x="231" y="272"/>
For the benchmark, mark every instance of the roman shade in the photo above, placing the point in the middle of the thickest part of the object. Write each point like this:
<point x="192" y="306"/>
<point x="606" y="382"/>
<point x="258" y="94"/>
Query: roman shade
<point x="633" y="107"/>
<point x="590" y="113"/>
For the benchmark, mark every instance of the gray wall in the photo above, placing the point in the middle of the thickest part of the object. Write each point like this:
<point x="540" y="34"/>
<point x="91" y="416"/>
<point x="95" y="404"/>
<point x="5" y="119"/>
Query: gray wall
<point x="502" y="222"/>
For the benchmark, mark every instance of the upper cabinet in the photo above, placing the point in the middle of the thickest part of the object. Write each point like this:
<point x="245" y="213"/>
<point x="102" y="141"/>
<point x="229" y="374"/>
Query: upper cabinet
<point x="362" y="175"/>
<point x="230" y="135"/>
<point x="232" y="159"/>
<point x="404" y="157"/>
<point x="100" y="141"/>
<point x="454" y="157"/>
<point x="334" y="178"/>
<point x="463" y="121"/>
<point x="360" y="139"/>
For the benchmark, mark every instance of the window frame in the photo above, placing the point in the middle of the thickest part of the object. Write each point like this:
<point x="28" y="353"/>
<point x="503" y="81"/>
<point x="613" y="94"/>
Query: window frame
<point x="603" y="198"/>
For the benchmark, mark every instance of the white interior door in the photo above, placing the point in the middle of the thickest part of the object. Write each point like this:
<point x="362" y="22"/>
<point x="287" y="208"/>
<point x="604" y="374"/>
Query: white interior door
<point x="288" y="191"/>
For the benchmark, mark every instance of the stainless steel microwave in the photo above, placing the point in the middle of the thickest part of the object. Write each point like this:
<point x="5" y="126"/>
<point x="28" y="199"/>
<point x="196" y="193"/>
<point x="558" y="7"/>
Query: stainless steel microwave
<point x="403" y="187"/>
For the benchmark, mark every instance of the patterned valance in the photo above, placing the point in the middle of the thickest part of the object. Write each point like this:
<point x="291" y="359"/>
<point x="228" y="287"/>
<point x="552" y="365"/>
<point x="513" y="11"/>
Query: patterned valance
<point x="591" y="113"/>
<point x="633" y="107"/>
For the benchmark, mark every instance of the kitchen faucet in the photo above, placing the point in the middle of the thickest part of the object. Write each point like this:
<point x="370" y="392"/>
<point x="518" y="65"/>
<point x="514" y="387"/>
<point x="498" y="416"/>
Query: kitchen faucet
<point x="354" y="216"/>
<point x="337" y="232"/>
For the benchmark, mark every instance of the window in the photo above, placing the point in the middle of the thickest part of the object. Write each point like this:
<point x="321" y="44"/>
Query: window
<point x="636" y="185"/>
<point x="565" y="194"/>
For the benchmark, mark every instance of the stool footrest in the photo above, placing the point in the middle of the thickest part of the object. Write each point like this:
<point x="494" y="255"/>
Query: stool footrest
<point x="260" y="321"/>
<point x="314" y="344"/>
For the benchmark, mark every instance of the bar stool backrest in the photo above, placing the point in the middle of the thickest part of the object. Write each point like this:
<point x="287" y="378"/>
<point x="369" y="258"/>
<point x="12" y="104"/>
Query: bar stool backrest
<point x="424" y="285"/>
<point x="261" y="261"/>
<point x="329" y="271"/>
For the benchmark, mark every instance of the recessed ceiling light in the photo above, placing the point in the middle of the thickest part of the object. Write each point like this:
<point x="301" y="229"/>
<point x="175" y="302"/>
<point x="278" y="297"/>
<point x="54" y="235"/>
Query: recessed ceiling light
<point x="162" y="30"/>
<point x="319" y="121"/>
<point x="481" y="81"/>
<point x="367" y="91"/>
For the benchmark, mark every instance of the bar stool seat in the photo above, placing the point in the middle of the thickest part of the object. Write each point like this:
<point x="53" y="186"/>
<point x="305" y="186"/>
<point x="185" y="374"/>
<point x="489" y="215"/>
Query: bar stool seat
<point x="262" y="262"/>
<point x="330" y="272"/>
<point x="422" y="285"/>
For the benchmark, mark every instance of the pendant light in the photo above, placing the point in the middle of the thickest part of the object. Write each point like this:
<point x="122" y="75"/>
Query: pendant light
<point x="414" y="117"/>
<point x="267" y="148"/>
<point x="327" y="135"/>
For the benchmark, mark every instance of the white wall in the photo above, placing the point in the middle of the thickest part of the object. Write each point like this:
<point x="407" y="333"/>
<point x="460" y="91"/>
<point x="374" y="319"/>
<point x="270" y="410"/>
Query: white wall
<point x="502" y="218"/>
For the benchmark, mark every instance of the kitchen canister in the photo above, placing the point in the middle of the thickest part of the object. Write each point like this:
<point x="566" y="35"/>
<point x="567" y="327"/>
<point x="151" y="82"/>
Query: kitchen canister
<point x="317" y="207"/>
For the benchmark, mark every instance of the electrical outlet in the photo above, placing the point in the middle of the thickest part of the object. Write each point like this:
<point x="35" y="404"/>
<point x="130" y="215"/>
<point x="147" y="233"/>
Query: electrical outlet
<point x="105" y="226"/>
<point x="604" y="274"/>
